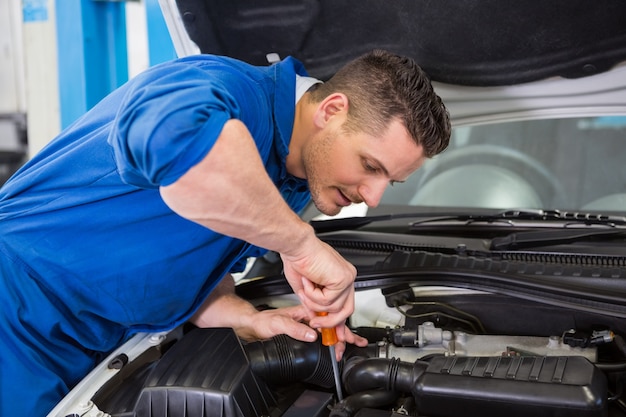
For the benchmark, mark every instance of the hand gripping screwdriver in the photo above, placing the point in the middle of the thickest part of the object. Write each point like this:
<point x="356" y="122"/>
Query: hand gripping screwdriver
<point x="329" y="338"/>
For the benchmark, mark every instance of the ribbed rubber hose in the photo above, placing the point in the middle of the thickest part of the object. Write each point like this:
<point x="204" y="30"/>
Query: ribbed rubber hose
<point x="282" y="359"/>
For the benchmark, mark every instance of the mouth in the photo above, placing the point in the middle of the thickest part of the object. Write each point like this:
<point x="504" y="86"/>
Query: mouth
<point x="344" y="200"/>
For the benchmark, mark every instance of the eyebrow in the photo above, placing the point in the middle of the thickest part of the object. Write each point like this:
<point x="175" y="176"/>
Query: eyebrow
<point x="385" y="171"/>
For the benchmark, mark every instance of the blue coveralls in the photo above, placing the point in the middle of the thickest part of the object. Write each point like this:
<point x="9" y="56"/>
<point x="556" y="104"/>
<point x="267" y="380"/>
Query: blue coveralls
<point x="90" y="254"/>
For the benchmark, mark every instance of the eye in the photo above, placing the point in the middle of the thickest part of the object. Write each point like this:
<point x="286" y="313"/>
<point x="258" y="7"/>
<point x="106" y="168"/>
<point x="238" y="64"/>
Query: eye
<point x="368" y="167"/>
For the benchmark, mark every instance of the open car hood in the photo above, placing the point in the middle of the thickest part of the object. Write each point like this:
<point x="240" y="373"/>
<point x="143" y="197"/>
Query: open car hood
<point x="526" y="52"/>
<point x="482" y="43"/>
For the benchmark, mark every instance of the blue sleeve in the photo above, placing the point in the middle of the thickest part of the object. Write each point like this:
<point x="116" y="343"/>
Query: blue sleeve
<point x="168" y="121"/>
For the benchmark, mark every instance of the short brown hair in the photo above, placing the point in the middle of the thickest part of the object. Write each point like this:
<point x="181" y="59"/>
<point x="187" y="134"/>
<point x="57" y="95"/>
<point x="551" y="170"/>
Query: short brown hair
<point x="381" y="86"/>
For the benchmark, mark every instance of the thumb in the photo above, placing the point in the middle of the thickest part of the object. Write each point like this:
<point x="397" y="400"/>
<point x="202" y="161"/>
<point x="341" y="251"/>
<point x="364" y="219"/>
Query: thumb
<point x="299" y="331"/>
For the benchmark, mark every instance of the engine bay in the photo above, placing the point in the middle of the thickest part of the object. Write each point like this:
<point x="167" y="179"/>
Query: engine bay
<point x="442" y="354"/>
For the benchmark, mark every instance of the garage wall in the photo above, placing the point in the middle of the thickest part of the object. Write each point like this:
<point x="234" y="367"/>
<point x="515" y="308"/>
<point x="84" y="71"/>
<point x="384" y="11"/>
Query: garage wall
<point x="54" y="58"/>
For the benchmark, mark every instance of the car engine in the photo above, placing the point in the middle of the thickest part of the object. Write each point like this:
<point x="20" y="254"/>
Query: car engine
<point x="418" y="368"/>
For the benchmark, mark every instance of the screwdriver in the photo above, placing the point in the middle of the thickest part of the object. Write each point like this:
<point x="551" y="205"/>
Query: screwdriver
<point x="329" y="338"/>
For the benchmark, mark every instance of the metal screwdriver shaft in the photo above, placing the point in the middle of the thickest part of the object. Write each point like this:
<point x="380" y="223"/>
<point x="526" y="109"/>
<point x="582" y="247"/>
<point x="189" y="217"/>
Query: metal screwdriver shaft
<point x="329" y="338"/>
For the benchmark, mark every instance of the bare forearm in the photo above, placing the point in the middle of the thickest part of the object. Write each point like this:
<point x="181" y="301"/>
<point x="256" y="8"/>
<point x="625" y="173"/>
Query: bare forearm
<point x="231" y="193"/>
<point x="222" y="308"/>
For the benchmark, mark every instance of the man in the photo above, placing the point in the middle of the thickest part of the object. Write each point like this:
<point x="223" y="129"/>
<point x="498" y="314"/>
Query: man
<point x="129" y="219"/>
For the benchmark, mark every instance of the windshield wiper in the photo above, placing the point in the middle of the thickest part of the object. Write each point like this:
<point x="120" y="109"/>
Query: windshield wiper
<point x="537" y="215"/>
<point x="533" y="239"/>
<point x="351" y="223"/>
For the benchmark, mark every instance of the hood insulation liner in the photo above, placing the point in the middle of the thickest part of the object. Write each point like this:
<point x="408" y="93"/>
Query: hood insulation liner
<point x="466" y="42"/>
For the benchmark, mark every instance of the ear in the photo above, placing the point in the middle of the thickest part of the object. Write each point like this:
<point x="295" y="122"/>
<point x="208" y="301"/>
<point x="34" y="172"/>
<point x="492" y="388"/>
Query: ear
<point x="335" y="104"/>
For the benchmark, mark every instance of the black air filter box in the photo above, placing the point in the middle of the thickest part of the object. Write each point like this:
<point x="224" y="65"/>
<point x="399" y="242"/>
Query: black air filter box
<point x="512" y="387"/>
<point x="205" y="374"/>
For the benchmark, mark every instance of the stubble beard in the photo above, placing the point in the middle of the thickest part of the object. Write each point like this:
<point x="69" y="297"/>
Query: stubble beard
<point x="314" y="157"/>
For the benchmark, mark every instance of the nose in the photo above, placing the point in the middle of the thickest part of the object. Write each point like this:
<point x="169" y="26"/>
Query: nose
<point x="372" y="191"/>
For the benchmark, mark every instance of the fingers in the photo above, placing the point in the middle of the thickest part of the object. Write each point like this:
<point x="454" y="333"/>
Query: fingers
<point x="293" y="277"/>
<point x="338" y="311"/>
<point x="352" y="338"/>
<point x="299" y="331"/>
<point x="322" y="298"/>
<point x="345" y="336"/>
<point x="287" y="320"/>
<point x="323" y="280"/>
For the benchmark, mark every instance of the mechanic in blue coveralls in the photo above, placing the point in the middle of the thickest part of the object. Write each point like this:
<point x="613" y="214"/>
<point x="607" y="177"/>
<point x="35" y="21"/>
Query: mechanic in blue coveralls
<point x="133" y="217"/>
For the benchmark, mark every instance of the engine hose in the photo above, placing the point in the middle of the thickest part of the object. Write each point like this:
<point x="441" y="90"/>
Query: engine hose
<point x="282" y="359"/>
<point x="620" y="344"/>
<point x="372" y="399"/>
<point x="362" y="374"/>
<point x="611" y="367"/>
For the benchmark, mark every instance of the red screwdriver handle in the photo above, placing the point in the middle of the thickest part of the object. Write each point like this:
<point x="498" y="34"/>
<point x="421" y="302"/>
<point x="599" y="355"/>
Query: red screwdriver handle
<point x="329" y="335"/>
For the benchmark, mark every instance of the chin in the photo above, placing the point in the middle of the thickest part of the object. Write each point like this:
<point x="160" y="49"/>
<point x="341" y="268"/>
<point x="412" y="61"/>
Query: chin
<point x="336" y="210"/>
<point x="327" y="209"/>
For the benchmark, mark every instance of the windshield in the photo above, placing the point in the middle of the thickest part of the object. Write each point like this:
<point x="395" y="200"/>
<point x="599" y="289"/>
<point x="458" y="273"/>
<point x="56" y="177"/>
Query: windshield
<point x="568" y="164"/>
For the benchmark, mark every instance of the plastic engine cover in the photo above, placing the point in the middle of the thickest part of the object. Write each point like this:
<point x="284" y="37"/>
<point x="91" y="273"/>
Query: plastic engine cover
<point x="205" y="374"/>
<point x="511" y="386"/>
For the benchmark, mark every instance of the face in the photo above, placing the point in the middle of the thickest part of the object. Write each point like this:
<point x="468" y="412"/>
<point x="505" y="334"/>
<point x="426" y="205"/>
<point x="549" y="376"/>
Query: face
<point x="346" y="167"/>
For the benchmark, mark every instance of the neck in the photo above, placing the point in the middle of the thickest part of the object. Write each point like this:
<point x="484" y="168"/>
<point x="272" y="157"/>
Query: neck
<point x="302" y="129"/>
